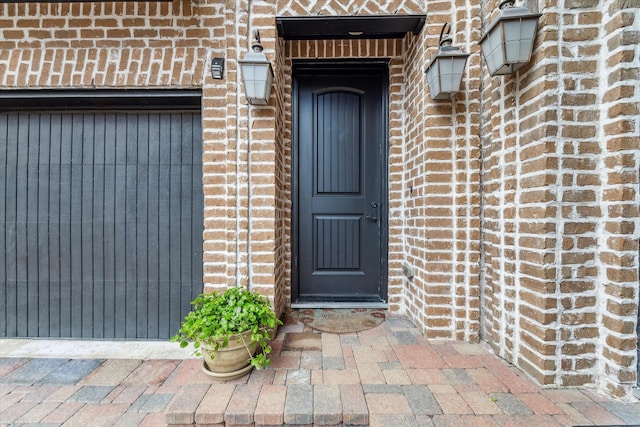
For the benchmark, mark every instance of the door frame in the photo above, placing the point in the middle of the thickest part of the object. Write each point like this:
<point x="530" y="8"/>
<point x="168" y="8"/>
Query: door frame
<point x="378" y="67"/>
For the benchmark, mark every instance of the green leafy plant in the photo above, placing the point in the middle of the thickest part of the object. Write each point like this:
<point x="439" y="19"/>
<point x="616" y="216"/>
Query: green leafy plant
<point x="217" y="316"/>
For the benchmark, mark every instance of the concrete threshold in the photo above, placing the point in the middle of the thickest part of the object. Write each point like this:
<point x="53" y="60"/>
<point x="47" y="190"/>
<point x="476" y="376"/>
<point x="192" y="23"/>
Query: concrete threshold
<point x="92" y="349"/>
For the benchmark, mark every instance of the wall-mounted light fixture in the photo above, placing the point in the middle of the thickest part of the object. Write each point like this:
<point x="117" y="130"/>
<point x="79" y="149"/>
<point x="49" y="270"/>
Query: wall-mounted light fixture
<point x="257" y="74"/>
<point x="508" y="43"/>
<point x="217" y="68"/>
<point x="445" y="69"/>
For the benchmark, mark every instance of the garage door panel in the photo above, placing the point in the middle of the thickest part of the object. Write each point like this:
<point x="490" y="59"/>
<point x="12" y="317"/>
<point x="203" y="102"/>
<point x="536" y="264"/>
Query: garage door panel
<point x="4" y="134"/>
<point x="143" y="140"/>
<point x="3" y="254"/>
<point x="43" y="306"/>
<point x="98" y="143"/>
<point x="198" y="206"/>
<point x="107" y="240"/>
<point x="132" y="138"/>
<point x="19" y="295"/>
<point x="55" y="305"/>
<point x="175" y="139"/>
<point x="11" y="306"/>
<point x="9" y="247"/>
<point x="153" y="313"/>
<point x="110" y="309"/>
<point x="96" y="314"/>
<point x="176" y="295"/>
<point x="76" y="137"/>
<point x="5" y="303"/>
<point x="153" y="140"/>
<point x="25" y="288"/>
<point x="21" y="259"/>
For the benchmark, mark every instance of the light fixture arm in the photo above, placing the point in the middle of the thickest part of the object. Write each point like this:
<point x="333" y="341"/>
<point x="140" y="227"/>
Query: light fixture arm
<point x="256" y="45"/>
<point x="446" y="30"/>
<point x="505" y="3"/>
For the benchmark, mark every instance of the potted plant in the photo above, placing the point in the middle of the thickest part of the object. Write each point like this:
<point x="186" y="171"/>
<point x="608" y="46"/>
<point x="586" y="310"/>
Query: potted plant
<point x="231" y="329"/>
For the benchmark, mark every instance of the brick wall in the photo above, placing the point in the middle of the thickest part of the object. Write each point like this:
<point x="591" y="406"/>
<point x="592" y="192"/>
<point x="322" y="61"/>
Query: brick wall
<point x="619" y="198"/>
<point x="103" y="45"/>
<point x="239" y="172"/>
<point x="241" y="215"/>
<point x="515" y="203"/>
<point x="348" y="7"/>
<point x="519" y="176"/>
<point x="560" y="179"/>
<point x="440" y="185"/>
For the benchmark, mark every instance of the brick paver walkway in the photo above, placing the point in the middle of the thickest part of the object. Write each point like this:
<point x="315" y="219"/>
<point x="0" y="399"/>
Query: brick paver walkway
<point x="387" y="376"/>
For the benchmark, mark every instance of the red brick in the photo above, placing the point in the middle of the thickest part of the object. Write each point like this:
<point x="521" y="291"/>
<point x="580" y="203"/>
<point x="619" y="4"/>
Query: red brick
<point x="15" y="411"/>
<point x="213" y="405"/>
<point x="387" y="403"/>
<point x="6" y="368"/>
<point x="96" y="414"/>
<point x="188" y="372"/>
<point x="63" y="412"/>
<point x="418" y="357"/>
<point x="464" y="361"/>
<point x="479" y="421"/>
<point x="488" y="382"/>
<point x="539" y="404"/>
<point x="354" y="405"/>
<point x="182" y="408"/>
<point x="370" y="373"/>
<point x="426" y="376"/>
<point x="151" y="372"/>
<point x="153" y="420"/>
<point x="286" y="360"/>
<point x="129" y="394"/>
<point x="480" y="403"/>
<point x="242" y="404"/>
<point x="270" y="407"/>
<point x="597" y="414"/>
<point x="452" y="403"/>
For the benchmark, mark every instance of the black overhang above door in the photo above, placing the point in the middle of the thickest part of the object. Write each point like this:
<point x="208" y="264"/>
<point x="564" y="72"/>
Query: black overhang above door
<point x="348" y="27"/>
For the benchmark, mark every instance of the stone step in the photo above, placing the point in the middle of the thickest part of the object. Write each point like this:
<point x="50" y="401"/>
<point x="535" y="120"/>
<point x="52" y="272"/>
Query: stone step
<point x="268" y="404"/>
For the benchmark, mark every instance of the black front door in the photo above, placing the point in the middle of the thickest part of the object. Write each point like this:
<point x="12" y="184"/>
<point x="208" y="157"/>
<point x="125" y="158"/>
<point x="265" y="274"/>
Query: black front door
<point x="339" y="150"/>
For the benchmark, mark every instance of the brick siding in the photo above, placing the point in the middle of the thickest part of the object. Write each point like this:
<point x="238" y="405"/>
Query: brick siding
<point x="560" y="179"/>
<point x="515" y="203"/>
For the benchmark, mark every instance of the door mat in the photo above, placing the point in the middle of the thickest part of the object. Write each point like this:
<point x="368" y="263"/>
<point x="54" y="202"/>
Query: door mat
<point x="342" y="320"/>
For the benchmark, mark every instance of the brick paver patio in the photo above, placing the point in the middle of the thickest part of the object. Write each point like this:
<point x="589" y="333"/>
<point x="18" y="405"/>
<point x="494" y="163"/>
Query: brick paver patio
<point x="387" y="376"/>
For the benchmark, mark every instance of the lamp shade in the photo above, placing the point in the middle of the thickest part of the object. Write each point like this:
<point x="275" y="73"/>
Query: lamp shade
<point x="257" y="76"/>
<point x="508" y="43"/>
<point x="444" y="72"/>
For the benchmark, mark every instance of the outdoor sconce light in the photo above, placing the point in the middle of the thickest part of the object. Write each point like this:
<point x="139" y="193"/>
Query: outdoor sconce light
<point x="444" y="72"/>
<point x="217" y="68"/>
<point x="508" y="43"/>
<point x="257" y="74"/>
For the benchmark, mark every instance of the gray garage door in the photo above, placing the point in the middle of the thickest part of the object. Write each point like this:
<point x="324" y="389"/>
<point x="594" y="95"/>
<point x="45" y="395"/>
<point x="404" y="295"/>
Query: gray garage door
<point x="101" y="216"/>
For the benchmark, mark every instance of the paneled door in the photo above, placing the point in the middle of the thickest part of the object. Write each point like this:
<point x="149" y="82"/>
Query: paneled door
<point x="340" y="156"/>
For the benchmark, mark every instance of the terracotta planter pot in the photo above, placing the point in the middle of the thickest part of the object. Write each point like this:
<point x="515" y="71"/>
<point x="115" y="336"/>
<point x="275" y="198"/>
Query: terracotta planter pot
<point x="233" y="357"/>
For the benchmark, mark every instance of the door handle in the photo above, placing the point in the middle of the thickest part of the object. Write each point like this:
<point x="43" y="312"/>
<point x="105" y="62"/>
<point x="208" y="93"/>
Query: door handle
<point x="374" y="213"/>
